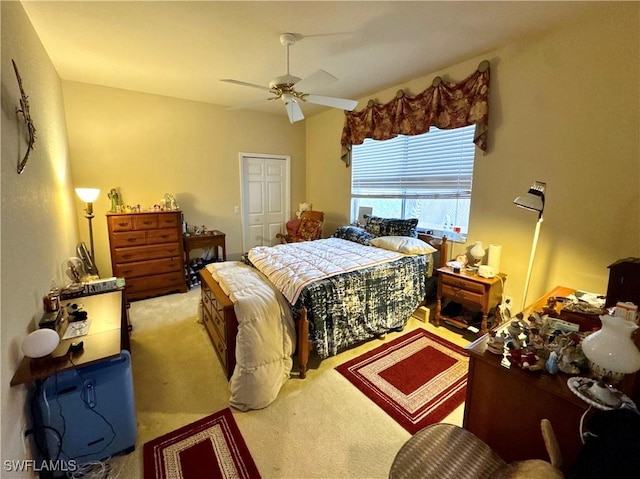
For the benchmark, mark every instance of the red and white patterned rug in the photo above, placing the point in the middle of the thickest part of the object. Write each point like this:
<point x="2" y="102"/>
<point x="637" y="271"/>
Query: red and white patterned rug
<point x="211" y="447"/>
<point x="418" y="378"/>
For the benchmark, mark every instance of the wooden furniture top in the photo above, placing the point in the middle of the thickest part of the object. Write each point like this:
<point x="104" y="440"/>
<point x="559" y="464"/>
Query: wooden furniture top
<point x="555" y="384"/>
<point x="466" y="275"/>
<point x="102" y="342"/>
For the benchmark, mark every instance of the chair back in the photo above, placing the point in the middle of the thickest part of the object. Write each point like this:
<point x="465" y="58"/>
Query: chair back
<point x="307" y="228"/>
<point x="312" y="215"/>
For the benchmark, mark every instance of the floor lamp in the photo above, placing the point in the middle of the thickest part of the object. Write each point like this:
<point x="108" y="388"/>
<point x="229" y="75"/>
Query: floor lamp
<point x="89" y="195"/>
<point x="533" y="200"/>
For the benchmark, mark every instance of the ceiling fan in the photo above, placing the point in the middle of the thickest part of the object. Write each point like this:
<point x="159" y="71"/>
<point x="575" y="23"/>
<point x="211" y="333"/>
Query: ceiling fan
<point x="292" y="90"/>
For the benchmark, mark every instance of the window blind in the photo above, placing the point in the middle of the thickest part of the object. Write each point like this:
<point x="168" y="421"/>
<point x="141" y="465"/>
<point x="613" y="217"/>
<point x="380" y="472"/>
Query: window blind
<point x="435" y="165"/>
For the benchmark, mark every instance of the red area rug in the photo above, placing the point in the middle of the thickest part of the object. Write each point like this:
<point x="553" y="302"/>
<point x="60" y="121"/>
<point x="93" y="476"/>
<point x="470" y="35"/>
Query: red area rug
<point x="418" y="378"/>
<point x="211" y="447"/>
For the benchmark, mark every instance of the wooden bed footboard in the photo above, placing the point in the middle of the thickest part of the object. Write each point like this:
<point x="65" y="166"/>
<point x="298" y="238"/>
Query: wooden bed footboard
<point x="304" y="345"/>
<point x="219" y="318"/>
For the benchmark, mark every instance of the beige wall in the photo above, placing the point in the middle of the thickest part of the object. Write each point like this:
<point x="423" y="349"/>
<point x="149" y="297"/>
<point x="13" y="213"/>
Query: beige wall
<point x="148" y="145"/>
<point x="565" y="109"/>
<point x="39" y="228"/>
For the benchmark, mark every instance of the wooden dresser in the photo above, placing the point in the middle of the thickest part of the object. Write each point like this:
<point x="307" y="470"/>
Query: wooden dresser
<point x="146" y="250"/>
<point x="219" y="319"/>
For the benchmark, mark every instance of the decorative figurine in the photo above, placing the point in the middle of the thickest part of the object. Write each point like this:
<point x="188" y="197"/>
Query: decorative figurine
<point x="114" y="196"/>
<point x="552" y="363"/>
<point x="169" y="202"/>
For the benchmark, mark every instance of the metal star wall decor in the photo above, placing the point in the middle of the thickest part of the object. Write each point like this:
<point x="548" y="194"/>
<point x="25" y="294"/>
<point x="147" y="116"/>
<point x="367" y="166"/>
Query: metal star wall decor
<point x="24" y="110"/>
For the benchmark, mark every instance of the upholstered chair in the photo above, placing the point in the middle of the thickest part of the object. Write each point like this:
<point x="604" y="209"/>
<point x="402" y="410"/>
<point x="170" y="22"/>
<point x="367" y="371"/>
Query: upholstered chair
<point x="307" y="228"/>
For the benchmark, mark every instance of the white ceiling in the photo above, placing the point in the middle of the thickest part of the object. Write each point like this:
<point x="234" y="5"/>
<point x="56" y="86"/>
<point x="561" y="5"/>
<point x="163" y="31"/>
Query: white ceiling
<point x="183" y="48"/>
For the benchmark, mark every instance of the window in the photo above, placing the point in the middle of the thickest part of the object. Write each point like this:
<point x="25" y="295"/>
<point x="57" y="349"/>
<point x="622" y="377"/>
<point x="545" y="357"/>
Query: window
<point x="424" y="176"/>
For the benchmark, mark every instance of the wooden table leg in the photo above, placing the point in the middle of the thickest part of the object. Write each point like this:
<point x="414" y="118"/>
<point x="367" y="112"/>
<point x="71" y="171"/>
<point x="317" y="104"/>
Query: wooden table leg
<point x="483" y="324"/>
<point x="436" y="318"/>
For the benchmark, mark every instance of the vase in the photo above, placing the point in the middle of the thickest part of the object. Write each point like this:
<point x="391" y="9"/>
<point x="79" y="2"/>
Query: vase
<point x="611" y="351"/>
<point x="477" y="252"/>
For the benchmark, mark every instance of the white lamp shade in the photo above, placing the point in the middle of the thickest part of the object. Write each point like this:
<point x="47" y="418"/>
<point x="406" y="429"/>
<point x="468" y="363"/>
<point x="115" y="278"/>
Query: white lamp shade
<point x="40" y="343"/>
<point x="88" y="195"/>
<point x="611" y="348"/>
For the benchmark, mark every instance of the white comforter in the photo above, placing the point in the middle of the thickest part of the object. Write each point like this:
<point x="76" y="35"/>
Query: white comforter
<point x="292" y="266"/>
<point x="266" y="335"/>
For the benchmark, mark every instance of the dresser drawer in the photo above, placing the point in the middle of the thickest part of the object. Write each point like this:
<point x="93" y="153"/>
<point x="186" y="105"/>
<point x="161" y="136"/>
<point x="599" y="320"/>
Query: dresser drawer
<point x="140" y="253"/>
<point x="164" y="235"/>
<point x="169" y="220"/>
<point x="462" y="283"/>
<point x="458" y="294"/>
<point x="128" y="238"/>
<point x="157" y="281"/>
<point x="145" y="222"/>
<point x="146" y="268"/>
<point x="219" y="321"/>
<point x="221" y="349"/>
<point x="120" y="222"/>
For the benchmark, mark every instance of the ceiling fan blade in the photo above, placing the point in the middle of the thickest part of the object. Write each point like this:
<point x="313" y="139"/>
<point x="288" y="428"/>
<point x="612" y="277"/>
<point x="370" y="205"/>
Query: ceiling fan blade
<point x="294" y="111"/>
<point x="341" y="103"/>
<point x="315" y="81"/>
<point x="244" y="83"/>
<point x="249" y="104"/>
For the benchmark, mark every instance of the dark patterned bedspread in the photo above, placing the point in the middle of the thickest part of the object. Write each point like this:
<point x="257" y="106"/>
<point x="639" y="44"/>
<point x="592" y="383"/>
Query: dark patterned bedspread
<point x="353" y="307"/>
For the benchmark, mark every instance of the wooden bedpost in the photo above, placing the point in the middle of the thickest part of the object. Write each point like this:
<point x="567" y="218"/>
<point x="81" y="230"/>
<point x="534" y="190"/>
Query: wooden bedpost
<point x="444" y="252"/>
<point x="303" y="342"/>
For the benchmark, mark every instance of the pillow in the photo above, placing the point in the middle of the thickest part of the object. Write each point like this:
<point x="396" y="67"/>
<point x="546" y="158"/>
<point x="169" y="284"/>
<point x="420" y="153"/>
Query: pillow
<point x="391" y="226"/>
<point x="353" y="233"/>
<point x="403" y="244"/>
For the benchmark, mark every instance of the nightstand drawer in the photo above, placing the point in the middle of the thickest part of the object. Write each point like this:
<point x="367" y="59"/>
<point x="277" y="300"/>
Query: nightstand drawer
<point x="462" y="294"/>
<point x="462" y="283"/>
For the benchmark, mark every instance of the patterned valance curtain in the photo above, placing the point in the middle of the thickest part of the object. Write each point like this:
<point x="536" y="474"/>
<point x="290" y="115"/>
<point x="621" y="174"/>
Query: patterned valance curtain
<point x="445" y="105"/>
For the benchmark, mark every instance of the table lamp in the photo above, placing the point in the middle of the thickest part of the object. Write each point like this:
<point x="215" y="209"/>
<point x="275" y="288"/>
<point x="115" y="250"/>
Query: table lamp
<point x="612" y="354"/>
<point x="533" y="200"/>
<point x="89" y="195"/>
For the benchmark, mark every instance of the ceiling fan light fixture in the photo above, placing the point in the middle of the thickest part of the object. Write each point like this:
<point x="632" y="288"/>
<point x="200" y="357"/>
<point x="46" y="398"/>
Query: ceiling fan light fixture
<point x="287" y="98"/>
<point x="282" y="87"/>
<point x="281" y="82"/>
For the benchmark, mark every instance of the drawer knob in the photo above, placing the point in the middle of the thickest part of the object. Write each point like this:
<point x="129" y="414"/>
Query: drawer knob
<point x="126" y="256"/>
<point x="123" y="224"/>
<point x="132" y="240"/>
<point x="127" y="271"/>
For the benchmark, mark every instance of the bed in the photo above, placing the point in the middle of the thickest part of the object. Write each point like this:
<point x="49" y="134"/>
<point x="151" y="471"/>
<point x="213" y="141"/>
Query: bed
<point x="347" y="303"/>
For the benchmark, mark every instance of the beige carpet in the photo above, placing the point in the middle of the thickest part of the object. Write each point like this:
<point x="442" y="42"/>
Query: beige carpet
<point x="319" y="427"/>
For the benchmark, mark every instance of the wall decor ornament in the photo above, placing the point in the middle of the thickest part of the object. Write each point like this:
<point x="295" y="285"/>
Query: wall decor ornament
<point x="26" y="115"/>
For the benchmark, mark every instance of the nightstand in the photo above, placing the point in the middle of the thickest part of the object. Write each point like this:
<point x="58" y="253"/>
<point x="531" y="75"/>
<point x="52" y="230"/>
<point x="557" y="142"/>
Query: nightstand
<point x="470" y="290"/>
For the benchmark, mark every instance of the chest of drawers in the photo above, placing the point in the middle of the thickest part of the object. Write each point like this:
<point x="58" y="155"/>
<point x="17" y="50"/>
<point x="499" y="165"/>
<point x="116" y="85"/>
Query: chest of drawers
<point x="220" y="320"/>
<point x="470" y="290"/>
<point x="146" y="250"/>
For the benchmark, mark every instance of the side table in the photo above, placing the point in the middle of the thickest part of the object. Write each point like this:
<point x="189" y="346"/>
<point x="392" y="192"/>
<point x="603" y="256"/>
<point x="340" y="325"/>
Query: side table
<point x="214" y="239"/>
<point x="471" y="290"/>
